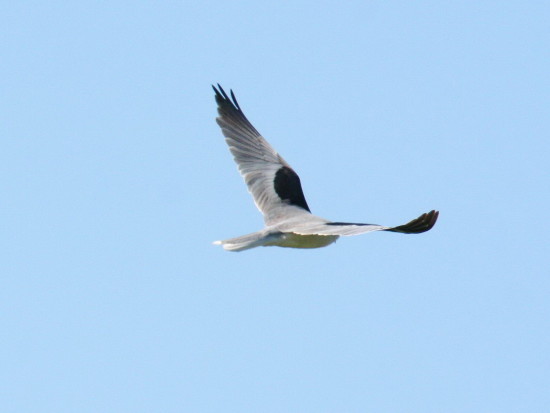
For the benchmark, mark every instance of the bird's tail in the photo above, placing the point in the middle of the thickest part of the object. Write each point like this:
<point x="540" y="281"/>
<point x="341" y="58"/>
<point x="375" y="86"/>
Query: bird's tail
<point x="245" y="242"/>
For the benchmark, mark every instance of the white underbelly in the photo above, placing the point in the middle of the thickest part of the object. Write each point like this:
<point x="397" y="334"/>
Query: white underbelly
<point x="291" y="240"/>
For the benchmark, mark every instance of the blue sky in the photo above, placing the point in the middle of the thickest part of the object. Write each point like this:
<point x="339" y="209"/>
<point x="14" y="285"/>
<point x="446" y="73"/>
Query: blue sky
<point x="116" y="179"/>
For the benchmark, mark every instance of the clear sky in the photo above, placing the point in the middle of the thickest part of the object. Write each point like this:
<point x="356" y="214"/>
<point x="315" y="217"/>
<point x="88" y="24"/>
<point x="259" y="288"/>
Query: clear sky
<point x="115" y="179"/>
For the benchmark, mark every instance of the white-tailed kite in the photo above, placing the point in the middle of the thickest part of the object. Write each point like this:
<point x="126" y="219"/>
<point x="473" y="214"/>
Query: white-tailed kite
<point x="278" y="194"/>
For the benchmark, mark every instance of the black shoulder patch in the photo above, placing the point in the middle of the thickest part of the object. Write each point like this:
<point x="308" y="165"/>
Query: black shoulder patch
<point x="288" y="187"/>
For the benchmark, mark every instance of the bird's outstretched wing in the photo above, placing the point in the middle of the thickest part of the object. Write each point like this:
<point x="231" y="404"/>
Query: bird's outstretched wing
<point x="423" y="223"/>
<point x="271" y="181"/>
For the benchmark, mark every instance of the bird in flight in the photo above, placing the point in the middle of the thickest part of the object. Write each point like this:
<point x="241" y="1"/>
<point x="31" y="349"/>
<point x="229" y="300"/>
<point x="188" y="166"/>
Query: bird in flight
<point x="278" y="194"/>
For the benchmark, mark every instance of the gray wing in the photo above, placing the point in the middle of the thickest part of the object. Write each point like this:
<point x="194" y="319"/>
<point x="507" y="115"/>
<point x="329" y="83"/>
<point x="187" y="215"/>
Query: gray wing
<point x="272" y="182"/>
<point x="423" y="223"/>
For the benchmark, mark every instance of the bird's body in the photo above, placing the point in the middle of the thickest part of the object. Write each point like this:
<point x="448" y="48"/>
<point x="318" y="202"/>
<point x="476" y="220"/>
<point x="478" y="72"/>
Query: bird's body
<point x="275" y="238"/>
<point x="277" y="192"/>
<point x="283" y="234"/>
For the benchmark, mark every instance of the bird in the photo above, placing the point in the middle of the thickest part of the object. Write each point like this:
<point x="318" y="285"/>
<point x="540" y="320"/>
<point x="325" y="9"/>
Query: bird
<point x="277" y="192"/>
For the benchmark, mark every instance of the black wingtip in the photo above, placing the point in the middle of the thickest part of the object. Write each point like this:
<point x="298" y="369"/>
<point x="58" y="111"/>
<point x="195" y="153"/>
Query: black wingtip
<point x="423" y="223"/>
<point x="229" y="109"/>
<point x="223" y="98"/>
<point x="234" y="99"/>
